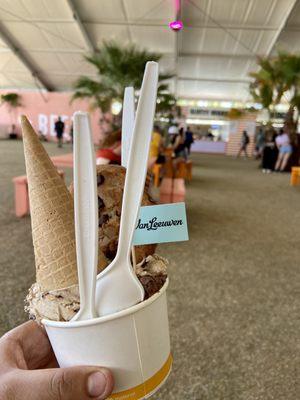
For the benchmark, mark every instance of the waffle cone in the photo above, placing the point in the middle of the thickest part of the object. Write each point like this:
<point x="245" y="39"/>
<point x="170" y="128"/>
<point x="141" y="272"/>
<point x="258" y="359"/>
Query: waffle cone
<point x="52" y="216"/>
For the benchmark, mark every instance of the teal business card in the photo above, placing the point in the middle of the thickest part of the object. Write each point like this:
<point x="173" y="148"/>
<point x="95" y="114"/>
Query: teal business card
<point x="161" y="224"/>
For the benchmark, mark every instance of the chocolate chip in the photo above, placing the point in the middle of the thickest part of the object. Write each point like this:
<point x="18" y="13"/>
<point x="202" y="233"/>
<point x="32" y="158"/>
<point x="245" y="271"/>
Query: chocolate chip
<point x="110" y="254"/>
<point x="152" y="284"/>
<point x="100" y="203"/>
<point x="100" y="179"/>
<point x="103" y="218"/>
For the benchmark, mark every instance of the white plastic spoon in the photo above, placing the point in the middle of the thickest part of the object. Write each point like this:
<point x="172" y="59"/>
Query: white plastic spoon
<point x="86" y="215"/>
<point x="117" y="286"/>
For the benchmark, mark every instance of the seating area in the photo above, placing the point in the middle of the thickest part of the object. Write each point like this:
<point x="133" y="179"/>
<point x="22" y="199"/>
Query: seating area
<point x="170" y="178"/>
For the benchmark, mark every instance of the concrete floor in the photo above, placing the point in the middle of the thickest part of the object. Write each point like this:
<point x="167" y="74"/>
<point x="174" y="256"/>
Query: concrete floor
<point x="234" y="296"/>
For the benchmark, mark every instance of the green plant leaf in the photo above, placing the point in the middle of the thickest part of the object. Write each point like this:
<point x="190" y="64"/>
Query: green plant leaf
<point x="118" y="67"/>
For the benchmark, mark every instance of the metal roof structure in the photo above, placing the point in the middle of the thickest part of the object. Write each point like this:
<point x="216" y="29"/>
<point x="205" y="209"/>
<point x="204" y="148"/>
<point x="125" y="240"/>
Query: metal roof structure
<point x="42" y="42"/>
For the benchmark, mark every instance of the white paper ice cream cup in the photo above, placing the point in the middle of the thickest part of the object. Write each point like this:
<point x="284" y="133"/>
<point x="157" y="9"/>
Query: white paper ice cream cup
<point x="133" y="343"/>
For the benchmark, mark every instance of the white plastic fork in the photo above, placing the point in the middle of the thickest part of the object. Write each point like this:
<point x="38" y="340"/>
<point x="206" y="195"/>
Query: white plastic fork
<point x="118" y="287"/>
<point x="86" y="215"/>
<point x="128" y="117"/>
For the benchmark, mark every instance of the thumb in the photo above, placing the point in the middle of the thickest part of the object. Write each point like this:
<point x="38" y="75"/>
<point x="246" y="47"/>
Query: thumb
<point x="76" y="383"/>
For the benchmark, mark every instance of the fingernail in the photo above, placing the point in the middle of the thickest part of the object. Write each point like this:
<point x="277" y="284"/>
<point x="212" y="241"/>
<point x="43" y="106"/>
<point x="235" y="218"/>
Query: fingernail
<point x="96" y="384"/>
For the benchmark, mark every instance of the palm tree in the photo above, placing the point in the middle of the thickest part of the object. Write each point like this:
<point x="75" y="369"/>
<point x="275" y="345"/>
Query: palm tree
<point x="12" y="101"/>
<point x="166" y="104"/>
<point x="118" y="67"/>
<point x="290" y="67"/>
<point x="278" y="78"/>
<point x="264" y="87"/>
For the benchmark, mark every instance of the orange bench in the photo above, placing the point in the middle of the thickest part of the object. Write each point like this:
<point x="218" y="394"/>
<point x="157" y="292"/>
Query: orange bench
<point x="21" y="194"/>
<point x="166" y="191"/>
<point x="295" y="176"/>
<point x="172" y="189"/>
<point x="65" y="160"/>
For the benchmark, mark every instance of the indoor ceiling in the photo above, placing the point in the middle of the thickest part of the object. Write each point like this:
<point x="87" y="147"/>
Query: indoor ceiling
<point x="42" y="43"/>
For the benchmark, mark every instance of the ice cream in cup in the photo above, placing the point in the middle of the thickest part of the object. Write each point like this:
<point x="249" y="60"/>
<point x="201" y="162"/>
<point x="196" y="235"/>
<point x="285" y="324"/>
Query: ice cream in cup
<point x="134" y="343"/>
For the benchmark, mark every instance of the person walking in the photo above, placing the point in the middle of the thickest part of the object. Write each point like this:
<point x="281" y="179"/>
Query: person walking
<point x="59" y="128"/>
<point x="244" y="143"/>
<point x="172" y="133"/>
<point x="270" y="152"/>
<point x="179" y="147"/>
<point x="259" y="143"/>
<point x="189" y="140"/>
<point x="285" y="150"/>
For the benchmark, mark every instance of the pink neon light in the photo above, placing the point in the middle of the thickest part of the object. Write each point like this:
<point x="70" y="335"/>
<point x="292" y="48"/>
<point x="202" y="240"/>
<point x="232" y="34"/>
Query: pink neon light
<point x="176" y="25"/>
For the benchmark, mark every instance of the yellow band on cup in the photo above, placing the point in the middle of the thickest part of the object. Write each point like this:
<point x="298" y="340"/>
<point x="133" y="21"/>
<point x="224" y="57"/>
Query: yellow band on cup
<point x="147" y="387"/>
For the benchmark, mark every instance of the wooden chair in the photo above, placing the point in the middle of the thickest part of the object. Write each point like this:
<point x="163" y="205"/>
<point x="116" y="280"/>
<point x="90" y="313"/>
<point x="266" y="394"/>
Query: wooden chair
<point x="21" y="194"/>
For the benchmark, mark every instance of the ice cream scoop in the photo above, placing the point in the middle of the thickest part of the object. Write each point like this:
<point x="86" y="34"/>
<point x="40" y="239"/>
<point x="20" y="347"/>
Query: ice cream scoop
<point x="117" y="286"/>
<point x="63" y="304"/>
<point x="86" y="215"/>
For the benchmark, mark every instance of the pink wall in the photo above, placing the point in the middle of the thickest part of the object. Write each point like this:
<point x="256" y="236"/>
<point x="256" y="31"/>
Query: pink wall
<point x="43" y="110"/>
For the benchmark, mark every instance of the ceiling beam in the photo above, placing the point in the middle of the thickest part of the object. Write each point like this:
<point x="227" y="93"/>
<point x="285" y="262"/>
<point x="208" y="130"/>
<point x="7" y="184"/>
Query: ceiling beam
<point x="218" y="55"/>
<point x="233" y="27"/>
<point x="59" y="73"/>
<point x="125" y="12"/>
<point x="190" y="25"/>
<point x="219" y="80"/>
<point x="292" y="28"/>
<point x="180" y="54"/>
<point x="54" y="50"/>
<point x="281" y="27"/>
<point x="87" y="40"/>
<point x="17" y="50"/>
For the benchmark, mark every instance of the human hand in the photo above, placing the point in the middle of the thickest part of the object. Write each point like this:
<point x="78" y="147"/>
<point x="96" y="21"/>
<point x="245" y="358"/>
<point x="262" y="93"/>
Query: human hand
<point x="29" y="370"/>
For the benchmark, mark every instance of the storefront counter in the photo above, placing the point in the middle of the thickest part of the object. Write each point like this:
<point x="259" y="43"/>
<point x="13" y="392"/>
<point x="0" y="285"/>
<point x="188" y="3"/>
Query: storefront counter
<point x="207" y="146"/>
